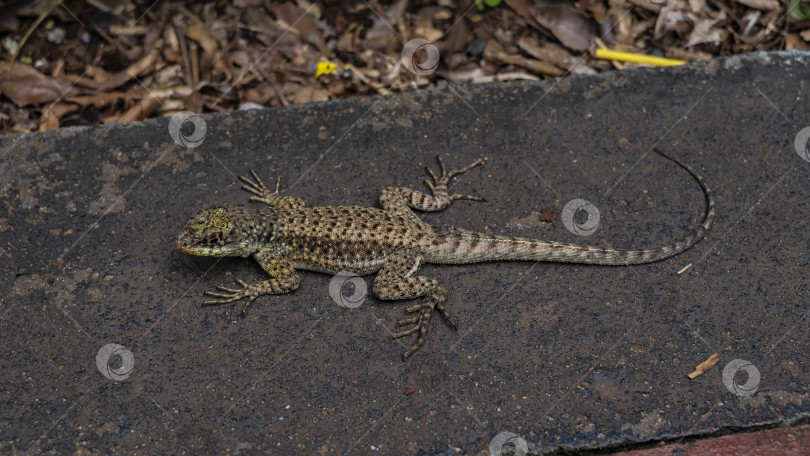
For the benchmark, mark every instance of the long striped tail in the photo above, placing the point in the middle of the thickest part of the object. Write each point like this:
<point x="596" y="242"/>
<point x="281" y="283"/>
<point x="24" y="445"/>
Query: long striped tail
<point x="464" y="246"/>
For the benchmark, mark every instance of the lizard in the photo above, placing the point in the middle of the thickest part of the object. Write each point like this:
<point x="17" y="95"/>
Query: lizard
<point x="285" y="235"/>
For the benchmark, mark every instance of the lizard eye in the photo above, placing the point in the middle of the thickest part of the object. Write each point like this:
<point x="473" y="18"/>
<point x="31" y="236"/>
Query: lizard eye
<point x="212" y="239"/>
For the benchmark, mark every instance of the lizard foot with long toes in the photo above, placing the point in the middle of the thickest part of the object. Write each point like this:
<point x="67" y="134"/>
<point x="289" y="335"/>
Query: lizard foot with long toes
<point x="283" y="280"/>
<point x="439" y="184"/>
<point x="420" y="322"/>
<point x="264" y="195"/>
<point x="226" y="295"/>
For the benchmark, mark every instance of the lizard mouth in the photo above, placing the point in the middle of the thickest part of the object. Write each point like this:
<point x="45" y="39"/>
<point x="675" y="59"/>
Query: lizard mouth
<point x="185" y="246"/>
<point x="199" y="248"/>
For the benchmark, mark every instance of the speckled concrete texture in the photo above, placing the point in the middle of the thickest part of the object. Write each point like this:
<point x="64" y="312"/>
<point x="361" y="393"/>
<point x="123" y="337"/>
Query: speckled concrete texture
<point x="106" y="349"/>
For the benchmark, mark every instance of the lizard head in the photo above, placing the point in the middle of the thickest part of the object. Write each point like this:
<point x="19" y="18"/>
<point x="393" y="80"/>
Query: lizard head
<point x="219" y="231"/>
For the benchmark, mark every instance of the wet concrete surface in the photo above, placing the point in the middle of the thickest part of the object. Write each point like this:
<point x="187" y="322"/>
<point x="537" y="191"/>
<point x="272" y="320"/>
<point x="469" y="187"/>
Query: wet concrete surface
<point x="553" y="356"/>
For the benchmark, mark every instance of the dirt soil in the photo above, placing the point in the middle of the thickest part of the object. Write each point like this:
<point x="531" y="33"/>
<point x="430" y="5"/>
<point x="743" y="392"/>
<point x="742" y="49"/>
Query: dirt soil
<point x="94" y="62"/>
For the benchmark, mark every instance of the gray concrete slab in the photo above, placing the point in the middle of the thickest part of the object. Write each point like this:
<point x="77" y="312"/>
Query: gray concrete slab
<point x="561" y="356"/>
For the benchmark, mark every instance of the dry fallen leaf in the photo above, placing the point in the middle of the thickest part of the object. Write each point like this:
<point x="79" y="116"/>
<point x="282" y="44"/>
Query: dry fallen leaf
<point x="523" y="9"/>
<point x="51" y="116"/>
<point x="567" y="24"/>
<point x="99" y="75"/>
<point x="494" y="51"/>
<point x="200" y="34"/>
<point x="380" y="36"/>
<point x="102" y="100"/>
<point x="310" y="94"/>
<point x="305" y="27"/>
<point x="547" y="214"/>
<point x="272" y="46"/>
<point x="260" y="94"/>
<point x="621" y="22"/>
<point x="706" y="32"/>
<point x="555" y="55"/>
<point x="134" y="70"/>
<point x="140" y="111"/>
<point x="673" y="16"/>
<point x="649" y="5"/>
<point x="704" y="366"/>
<point x="696" y="6"/>
<point x="25" y="85"/>
<point x="683" y="54"/>
<point x="765" y="5"/>
<point x="792" y="41"/>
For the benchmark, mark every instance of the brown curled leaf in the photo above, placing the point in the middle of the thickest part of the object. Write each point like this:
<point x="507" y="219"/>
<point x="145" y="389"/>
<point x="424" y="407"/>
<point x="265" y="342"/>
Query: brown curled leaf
<point x="567" y="24"/>
<point x="25" y="85"/>
<point x="134" y="70"/>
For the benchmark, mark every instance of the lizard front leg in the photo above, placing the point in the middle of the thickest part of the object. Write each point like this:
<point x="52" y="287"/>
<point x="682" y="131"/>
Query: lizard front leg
<point x="400" y="200"/>
<point x="264" y="195"/>
<point x="395" y="281"/>
<point x="283" y="279"/>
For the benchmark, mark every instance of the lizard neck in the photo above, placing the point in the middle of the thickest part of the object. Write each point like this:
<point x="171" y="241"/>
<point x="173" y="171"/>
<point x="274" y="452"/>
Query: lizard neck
<point x="252" y="228"/>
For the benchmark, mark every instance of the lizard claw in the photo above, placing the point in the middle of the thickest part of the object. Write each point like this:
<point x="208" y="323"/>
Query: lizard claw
<point x="472" y="165"/>
<point x="261" y="192"/>
<point x="446" y="316"/>
<point x="226" y="295"/>
<point x="421" y="321"/>
<point x="255" y="186"/>
<point x="438" y="184"/>
<point x="264" y="195"/>
<point x="445" y="177"/>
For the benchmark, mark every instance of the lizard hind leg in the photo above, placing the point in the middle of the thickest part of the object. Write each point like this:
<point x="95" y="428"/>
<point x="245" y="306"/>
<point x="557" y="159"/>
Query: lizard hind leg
<point x="400" y="200"/>
<point x="395" y="282"/>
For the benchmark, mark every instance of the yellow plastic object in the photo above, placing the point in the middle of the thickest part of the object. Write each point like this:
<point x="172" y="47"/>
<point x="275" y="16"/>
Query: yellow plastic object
<point x="607" y="54"/>
<point x="324" y="68"/>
